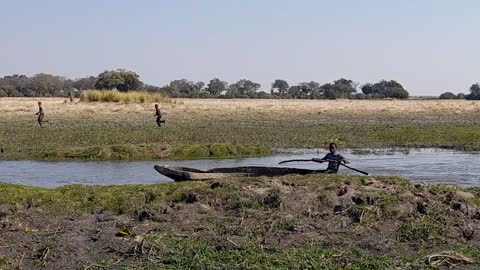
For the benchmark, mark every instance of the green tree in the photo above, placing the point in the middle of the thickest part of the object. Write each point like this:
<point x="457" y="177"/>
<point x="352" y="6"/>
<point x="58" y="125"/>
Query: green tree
<point x="367" y="89"/>
<point x="389" y="89"/>
<point x="47" y="85"/>
<point x="474" y="92"/>
<point x="182" y="87"/>
<point x="344" y="88"/>
<point x="341" y="88"/>
<point x="294" y="91"/>
<point x="85" y="83"/>
<point x="328" y="90"/>
<point x="279" y="87"/>
<point x="447" y="95"/>
<point x="215" y="87"/>
<point x="310" y="90"/>
<point x="16" y="86"/>
<point x="131" y="82"/>
<point x="243" y="89"/>
<point x="109" y="80"/>
<point x="119" y="79"/>
<point x="198" y="88"/>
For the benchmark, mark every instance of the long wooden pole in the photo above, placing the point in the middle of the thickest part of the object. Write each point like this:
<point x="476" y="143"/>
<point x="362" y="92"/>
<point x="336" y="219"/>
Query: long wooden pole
<point x="324" y="160"/>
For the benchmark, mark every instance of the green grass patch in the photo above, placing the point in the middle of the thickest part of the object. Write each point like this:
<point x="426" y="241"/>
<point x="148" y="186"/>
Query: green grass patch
<point x="193" y="253"/>
<point x="419" y="230"/>
<point x="152" y="151"/>
<point x="125" y="199"/>
<point x="3" y="263"/>
<point x="191" y="136"/>
<point x="273" y="199"/>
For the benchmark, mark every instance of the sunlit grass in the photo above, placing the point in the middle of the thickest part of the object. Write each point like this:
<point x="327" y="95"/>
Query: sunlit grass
<point x="125" y="97"/>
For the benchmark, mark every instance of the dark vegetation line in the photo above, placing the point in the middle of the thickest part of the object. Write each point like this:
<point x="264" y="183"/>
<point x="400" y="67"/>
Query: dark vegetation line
<point x="47" y="85"/>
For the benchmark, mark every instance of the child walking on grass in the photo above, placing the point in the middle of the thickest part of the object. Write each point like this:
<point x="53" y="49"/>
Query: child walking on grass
<point x="41" y="114"/>
<point x="158" y="114"/>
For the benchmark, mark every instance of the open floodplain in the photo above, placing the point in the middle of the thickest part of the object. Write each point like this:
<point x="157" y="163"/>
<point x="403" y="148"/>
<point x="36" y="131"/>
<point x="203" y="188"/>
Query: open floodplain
<point x="199" y="128"/>
<point x="290" y="222"/>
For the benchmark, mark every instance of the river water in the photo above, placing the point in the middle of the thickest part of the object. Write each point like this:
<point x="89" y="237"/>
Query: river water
<point x="417" y="165"/>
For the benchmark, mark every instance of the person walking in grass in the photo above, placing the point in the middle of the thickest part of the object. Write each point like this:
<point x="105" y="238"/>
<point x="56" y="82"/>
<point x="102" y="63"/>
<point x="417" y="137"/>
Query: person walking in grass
<point x="333" y="159"/>
<point x="41" y="114"/>
<point x="158" y="114"/>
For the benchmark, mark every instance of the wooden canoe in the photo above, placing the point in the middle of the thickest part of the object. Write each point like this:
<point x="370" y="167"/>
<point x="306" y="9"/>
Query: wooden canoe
<point x="186" y="174"/>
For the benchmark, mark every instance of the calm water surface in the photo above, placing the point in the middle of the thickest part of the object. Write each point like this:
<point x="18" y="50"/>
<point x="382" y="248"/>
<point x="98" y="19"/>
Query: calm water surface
<point x="419" y="165"/>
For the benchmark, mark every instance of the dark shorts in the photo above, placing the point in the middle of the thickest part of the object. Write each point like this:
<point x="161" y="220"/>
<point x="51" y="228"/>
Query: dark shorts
<point x="159" y="120"/>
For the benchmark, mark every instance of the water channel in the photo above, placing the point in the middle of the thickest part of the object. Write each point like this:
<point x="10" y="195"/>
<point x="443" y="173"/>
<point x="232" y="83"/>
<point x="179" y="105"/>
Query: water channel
<point x="417" y="165"/>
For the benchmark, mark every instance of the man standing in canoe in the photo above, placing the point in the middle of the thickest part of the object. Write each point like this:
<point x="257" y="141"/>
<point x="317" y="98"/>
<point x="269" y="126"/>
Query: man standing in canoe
<point x="333" y="159"/>
<point x="158" y="114"/>
<point x="41" y="114"/>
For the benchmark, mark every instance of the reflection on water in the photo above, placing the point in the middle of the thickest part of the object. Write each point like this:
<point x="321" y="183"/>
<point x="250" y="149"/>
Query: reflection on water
<point x="418" y="165"/>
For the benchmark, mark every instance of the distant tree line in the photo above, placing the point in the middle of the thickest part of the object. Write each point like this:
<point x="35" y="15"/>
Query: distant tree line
<point x="47" y="85"/>
<point x="341" y="88"/>
<point x="39" y="85"/>
<point x="474" y="94"/>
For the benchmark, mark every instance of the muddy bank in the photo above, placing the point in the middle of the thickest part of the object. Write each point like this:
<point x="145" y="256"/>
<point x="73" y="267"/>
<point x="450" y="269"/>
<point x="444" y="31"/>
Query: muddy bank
<point x="294" y="222"/>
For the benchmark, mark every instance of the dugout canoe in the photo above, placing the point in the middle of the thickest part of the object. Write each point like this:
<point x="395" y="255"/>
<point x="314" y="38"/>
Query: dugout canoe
<point x="188" y="174"/>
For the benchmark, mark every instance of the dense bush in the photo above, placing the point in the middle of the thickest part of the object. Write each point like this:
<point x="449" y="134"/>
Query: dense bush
<point x="447" y="95"/>
<point x="119" y="79"/>
<point x="474" y="92"/>
<point x="385" y="89"/>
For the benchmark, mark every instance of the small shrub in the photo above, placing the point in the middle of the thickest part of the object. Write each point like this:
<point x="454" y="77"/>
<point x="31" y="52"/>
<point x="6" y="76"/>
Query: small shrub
<point x="273" y="199"/>
<point x="187" y="197"/>
<point x="287" y="224"/>
<point x="236" y="201"/>
<point x="355" y="213"/>
<point x="419" y="230"/>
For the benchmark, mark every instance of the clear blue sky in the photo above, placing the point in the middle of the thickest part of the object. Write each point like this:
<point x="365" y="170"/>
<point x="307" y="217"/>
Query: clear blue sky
<point x="430" y="46"/>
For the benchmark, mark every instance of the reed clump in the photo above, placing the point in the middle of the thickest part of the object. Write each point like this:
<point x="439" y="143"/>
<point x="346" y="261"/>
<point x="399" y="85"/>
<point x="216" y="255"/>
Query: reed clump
<point x="124" y="97"/>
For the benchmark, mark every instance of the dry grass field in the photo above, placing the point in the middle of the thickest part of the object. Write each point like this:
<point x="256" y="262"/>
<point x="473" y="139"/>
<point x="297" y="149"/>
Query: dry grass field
<point x="223" y="108"/>
<point x="204" y="122"/>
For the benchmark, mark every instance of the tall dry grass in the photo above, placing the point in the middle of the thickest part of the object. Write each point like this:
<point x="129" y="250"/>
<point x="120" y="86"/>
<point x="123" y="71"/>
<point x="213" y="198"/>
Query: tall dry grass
<point x="125" y="97"/>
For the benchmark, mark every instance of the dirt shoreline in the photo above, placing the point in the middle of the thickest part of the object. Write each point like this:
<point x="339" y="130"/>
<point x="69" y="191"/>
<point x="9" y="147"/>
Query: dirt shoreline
<point x="292" y="222"/>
